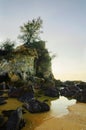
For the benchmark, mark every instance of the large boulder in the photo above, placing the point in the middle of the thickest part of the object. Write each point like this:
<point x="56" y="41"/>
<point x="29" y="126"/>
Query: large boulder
<point x="35" y="106"/>
<point x="77" y="91"/>
<point x="4" y="77"/>
<point x="81" y="96"/>
<point x="3" y="100"/>
<point x="26" y="97"/>
<point x="69" y="91"/>
<point x="15" y="121"/>
<point x="2" y="120"/>
<point x="1" y="93"/>
<point x="24" y="94"/>
<point x="14" y="92"/>
<point x="51" y="92"/>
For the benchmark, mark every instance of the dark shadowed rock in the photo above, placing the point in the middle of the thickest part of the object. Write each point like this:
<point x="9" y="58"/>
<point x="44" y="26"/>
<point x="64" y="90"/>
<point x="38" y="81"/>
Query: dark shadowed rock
<point x="1" y="93"/>
<point x="1" y="120"/>
<point x="22" y="93"/>
<point x="7" y="113"/>
<point x="69" y="91"/>
<point x="26" y="97"/>
<point x="14" y="92"/>
<point x="77" y="91"/>
<point x="2" y="100"/>
<point x="81" y="96"/>
<point x="51" y="92"/>
<point x="35" y="106"/>
<point x="4" y="77"/>
<point x="15" y="120"/>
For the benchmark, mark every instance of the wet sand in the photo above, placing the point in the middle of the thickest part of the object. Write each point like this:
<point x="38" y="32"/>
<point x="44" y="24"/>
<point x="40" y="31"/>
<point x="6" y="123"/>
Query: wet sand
<point x="75" y="120"/>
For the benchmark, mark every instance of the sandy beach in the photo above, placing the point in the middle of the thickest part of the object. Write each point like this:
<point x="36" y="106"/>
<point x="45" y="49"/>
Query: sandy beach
<point x="75" y="120"/>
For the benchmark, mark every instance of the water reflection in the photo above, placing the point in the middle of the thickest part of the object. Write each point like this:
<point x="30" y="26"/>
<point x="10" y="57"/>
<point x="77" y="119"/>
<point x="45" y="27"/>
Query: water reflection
<point x="59" y="106"/>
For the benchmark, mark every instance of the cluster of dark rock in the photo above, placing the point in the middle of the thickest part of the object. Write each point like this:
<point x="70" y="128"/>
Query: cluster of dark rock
<point x="70" y="89"/>
<point x="4" y="77"/>
<point x="14" y="120"/>
<point x="11" y="119"/>
<point x="23" y="94"/>
<point x="3" y="100"/>
<point x="26" y="95"/>
<point x="35" y="106"/>
<point x="77" y="91"/>
<point x="51" y="92"/>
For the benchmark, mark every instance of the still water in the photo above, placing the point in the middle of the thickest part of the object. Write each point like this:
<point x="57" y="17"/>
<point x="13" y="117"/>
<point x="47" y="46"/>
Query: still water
<point x="58" y="108"/>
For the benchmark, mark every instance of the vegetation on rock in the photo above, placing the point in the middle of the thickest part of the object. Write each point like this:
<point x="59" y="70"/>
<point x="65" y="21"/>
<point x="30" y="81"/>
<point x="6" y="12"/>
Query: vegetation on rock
<point x="8" y="45"/>
<point x="31" y="30"/>
<point x="29" y="60"/>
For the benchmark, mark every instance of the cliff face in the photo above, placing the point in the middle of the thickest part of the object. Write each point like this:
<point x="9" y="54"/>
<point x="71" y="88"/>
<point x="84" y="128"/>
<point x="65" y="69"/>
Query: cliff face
<point x="22" y="63"/>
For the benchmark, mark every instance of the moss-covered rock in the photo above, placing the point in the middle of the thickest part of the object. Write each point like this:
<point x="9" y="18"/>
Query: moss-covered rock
<point x="30" y="63"/>
<point x="21" y="64"/>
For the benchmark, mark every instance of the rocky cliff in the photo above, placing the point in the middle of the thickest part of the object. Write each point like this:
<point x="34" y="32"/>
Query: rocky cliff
<point x="22" y="63"/>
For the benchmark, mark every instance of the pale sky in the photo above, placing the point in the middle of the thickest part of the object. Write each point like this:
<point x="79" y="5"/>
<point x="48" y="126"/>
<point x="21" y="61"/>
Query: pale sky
<point x="64" y="29"/>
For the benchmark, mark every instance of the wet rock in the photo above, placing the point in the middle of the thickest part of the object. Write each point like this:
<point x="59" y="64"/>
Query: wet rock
<point x="4" y="77"/>
<point x="2" y="100"/>
<point x="69" y="91"/>
<point x="15" y="120"/>
<point x="7" y="113"/>
<point x="1" y="93"/>
<point x="78" y="92"/>
<point x="14" y="92"/>
<point x="81" y="96"/>
<point x="35" y="106"/>
<point x="22" y="93"/>
<point x="1" y="120"/>
<point x="51" y="92"/>
<point x="26" y="97"/>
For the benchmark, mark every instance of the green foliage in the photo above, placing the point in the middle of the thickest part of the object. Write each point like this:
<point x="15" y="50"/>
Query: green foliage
<point x="8" y="45"/>
<point x="40" y="45"/>
<point x="31" y="41"/>
<point x="31" y="30"/>
<point x="49" y="83"/>
<point x="43" y="63"/>
<point x="69" y="83"/>
<point x="58" y="83"/>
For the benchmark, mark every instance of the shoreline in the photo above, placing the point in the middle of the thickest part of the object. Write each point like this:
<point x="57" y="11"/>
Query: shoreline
<point x="75" y="120"/>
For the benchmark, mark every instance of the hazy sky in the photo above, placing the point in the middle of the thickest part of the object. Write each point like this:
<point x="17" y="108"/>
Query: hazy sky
<point x="64" y="27"/>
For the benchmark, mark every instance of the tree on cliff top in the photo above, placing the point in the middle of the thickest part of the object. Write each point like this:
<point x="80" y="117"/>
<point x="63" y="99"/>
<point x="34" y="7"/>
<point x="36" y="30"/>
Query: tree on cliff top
<point x="30" y="37"/>
<point x="31" y="30"/>
<point x="7" y="45"/>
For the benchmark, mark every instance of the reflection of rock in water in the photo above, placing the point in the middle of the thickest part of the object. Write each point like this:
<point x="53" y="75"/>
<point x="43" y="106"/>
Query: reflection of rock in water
<point x="58" y="108"/>
<point x="32" y="120"/>
<point x="76" y="91"/>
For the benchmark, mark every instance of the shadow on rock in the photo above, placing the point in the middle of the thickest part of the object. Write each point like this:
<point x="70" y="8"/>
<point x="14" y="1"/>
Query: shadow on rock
<point x="15" y="120"/>
<point x="35" y="106"/>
